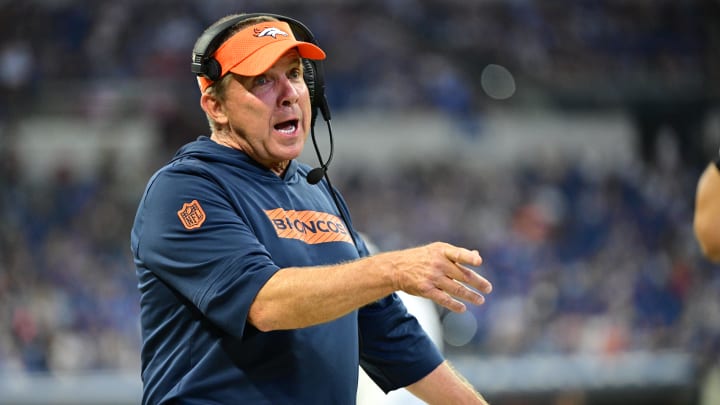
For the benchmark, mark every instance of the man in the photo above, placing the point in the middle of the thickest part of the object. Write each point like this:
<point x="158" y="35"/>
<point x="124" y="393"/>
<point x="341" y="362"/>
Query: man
<point x="706" y="221"/>
<point x="252" y="287"/>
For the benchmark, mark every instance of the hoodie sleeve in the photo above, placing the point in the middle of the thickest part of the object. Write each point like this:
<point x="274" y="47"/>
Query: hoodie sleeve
<point x="394" y="349"/>
<point x="188" y="235"/>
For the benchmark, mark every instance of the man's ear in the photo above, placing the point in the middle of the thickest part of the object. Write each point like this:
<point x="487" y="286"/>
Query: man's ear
<point x="213" y="108"/>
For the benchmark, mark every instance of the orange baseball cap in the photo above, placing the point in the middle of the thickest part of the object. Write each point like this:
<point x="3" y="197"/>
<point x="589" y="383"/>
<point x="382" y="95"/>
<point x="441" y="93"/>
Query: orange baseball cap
<point x="254" y="49"/>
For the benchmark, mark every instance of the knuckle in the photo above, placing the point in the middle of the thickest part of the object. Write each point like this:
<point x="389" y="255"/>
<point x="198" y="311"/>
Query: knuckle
<point x="463" y="275"/>
<point x="460" y="291"/>
<point x="445" y="300"/>
<point x="425" y="288"/>
<point x="438" y="247"/>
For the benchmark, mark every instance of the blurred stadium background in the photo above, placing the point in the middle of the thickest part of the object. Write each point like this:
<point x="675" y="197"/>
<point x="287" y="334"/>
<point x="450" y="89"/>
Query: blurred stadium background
<point x="562" y="139"/>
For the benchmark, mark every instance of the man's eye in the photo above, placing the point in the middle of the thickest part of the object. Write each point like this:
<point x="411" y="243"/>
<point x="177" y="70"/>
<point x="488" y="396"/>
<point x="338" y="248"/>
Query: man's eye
<point x="260" y="80"/>
<point x="295" y="74"/>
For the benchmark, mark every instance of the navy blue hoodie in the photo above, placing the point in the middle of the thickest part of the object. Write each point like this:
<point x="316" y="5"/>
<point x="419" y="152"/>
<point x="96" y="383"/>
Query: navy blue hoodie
<point x="212" y="227"/>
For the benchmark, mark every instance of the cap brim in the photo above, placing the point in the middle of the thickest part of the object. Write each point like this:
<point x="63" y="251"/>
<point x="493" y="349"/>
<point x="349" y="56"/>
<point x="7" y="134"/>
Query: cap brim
<point x="265" y="57"/>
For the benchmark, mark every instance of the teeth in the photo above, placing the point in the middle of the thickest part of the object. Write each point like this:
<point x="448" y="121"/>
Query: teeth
<point x="288" y="130"/>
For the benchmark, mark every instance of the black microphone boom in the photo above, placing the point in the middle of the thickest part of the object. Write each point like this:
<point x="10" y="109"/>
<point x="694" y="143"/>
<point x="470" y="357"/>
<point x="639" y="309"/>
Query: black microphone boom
<point x="315" y="175"/>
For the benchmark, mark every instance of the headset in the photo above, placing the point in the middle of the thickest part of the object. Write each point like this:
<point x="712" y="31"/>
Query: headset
<point x="203" y="64"/>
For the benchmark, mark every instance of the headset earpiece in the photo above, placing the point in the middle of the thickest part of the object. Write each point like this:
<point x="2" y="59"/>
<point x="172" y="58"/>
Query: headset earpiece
<point x="212" y="69"/>
<point x="310" y="77"/>
<point x="202" y="63"/>
<point x="313" y="76"/>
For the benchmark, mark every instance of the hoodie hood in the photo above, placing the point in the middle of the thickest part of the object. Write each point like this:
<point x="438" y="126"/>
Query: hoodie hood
<point x="207" y="150"/>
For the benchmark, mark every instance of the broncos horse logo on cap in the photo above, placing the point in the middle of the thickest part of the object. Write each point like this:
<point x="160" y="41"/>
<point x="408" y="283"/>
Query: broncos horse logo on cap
<point x="269" y="32"/>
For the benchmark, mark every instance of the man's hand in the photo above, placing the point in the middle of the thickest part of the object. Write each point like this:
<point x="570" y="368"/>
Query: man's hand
<point x="439" y="272"/>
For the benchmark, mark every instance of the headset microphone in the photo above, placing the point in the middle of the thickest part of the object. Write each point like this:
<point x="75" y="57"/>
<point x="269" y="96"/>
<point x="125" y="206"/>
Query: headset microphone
<point x="315" y="175"/>
<point x="313" y="76"/>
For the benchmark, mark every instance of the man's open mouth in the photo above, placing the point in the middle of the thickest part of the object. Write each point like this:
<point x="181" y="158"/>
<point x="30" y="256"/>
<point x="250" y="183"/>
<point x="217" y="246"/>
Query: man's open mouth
<point x="287" y="127"/>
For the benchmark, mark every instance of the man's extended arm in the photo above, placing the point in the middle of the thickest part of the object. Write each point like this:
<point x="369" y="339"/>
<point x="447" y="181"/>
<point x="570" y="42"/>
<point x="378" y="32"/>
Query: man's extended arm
<point x="301" y="297"/>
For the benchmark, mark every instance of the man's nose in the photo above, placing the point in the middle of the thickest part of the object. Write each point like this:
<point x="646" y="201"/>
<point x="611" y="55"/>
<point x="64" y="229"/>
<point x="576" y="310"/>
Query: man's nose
<point x="289" y="93"/>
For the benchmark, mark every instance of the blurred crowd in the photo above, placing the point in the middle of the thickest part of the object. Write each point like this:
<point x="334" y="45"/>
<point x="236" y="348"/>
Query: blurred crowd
<point x="581" y="261"/>
<point x="383" y="53"/>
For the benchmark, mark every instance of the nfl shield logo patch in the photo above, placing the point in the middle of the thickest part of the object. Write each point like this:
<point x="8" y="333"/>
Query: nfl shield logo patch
<point x="191" y="215"/>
